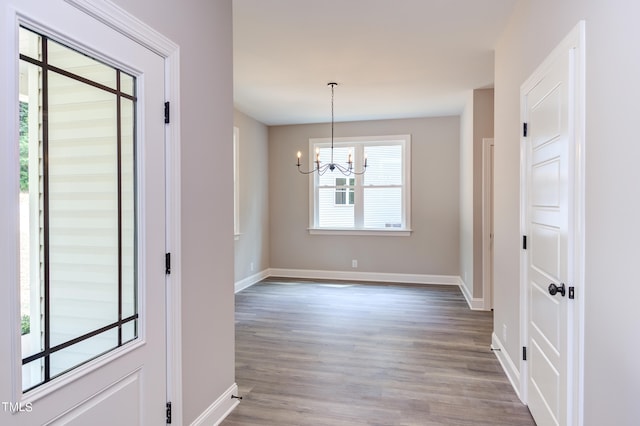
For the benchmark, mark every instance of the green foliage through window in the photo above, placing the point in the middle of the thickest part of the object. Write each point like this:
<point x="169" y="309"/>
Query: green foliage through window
<point x="26" y="324"/>
<point x="24" y="146"/>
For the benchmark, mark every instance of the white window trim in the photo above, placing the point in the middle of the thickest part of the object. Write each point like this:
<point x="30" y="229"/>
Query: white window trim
<point x="369" y="232"/>
<point x="405" y="141"/>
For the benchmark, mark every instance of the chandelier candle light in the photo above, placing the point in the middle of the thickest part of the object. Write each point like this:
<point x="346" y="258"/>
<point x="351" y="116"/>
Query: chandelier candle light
<point x="322" y="168"/>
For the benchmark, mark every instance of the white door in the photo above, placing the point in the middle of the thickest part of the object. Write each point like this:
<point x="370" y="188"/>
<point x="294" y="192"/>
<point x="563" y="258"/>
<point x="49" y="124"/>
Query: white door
<point x="549" y="111"/>
<point x="94" y="105"/>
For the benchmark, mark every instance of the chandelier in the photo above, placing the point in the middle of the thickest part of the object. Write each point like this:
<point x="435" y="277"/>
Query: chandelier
<point x="346" y="170"/>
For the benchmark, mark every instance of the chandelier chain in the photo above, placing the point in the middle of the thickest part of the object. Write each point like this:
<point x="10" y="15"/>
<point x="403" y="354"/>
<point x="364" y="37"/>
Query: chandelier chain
<point x="331" y="166"/>
<point x="333" y="85"/>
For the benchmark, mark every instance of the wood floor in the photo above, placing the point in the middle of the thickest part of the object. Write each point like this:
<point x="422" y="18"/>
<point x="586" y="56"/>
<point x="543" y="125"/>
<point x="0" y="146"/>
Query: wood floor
<point x="337" y="354"/>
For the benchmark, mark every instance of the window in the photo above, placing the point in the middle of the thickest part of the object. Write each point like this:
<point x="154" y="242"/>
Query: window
<point x="78" y="271"/>
<point x="375" y="202"/>
<point x="345" y="194"/>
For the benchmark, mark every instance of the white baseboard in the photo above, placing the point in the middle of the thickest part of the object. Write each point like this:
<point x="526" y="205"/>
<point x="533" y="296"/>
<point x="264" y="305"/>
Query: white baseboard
<point x="251" y="280"/>
<point x="475" y="304"/>
<point x="219" y="410"/>
<point x="365" y="276"/>
<point x="510" y="369"/>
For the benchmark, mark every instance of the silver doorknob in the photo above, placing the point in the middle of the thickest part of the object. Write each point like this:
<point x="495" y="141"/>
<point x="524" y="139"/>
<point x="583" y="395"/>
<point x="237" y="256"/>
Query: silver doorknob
<point x="554" y="289"/>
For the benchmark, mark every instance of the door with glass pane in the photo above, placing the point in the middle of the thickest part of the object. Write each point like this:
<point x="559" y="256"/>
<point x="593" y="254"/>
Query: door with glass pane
<point x="91" y="228"/>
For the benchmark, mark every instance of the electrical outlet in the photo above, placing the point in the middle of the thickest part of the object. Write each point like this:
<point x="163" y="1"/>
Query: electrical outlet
<point x="504" y="333"/>
<point x="251" y="266"/>
<point x="354" y="263"/>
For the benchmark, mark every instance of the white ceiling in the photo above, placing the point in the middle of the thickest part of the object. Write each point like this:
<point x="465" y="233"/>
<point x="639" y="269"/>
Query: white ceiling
<point x="391" y="58"/>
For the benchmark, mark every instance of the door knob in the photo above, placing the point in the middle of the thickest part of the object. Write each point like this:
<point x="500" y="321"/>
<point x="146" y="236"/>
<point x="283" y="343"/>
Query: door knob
<point x="554" y="289"/>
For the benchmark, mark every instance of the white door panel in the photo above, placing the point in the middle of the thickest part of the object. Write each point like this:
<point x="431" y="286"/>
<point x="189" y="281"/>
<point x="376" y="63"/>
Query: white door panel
<point x="547" y="210"/>
<point x="545" y="179"/>
<point x="544" y="311"/>
<point x="545" y="247"/>
<point x="98" y="409"/>
<point x="127" y="385"/>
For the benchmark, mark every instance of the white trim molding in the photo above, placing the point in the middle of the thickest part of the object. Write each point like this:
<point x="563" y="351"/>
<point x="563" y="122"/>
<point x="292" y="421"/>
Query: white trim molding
<point x="220" y="409"/>
<point x="368" y="232"/>
<point x="251" y="280"/>
<point x="475" y="303"/>
<point x="126" y="24"/>
<point x="507" y="364"/>
<point x="365" y="276"/>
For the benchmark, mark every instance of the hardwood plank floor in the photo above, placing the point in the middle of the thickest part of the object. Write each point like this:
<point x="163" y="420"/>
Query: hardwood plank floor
<point x="342" y="354"/>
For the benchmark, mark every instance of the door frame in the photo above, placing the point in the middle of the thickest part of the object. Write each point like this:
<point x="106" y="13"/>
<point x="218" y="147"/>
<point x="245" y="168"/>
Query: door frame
<point x="574" y="44"/>
<point x="487" y="222"/>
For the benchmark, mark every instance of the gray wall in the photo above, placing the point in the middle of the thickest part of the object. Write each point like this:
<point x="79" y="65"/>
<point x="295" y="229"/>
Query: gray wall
<point x="433" y="247"/>
<point x="202" y="29"/>
<point x="476" y="123"/>
<point x="611" y="292"/>
<point x="252" y="246"/>
<point x="466" y="193"/>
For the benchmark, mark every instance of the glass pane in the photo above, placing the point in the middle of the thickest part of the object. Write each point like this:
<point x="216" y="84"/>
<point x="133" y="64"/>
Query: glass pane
<point x="128" y="209"/>
<point x="344" y="187"/>
<point x="332" y="215"/>
<point x="388" y="165"/>
<point x="83" y="208"/>
<point x="127" y="84"/>
<point x="31" y="261"/>
<point x="77" y="210"/>
<point x="30" y="44"/>
<point x="129" y="331"/>
<point x="69" y="60"/>
<point x="82" y="352"/>
<point x="32" y="373"/>
<point x="382" y="207"/>
<point x="340" y="156"/>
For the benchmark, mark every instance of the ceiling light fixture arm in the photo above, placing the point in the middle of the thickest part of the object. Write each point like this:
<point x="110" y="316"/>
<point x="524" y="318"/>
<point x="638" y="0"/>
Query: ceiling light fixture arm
<point x="322" y="168"/>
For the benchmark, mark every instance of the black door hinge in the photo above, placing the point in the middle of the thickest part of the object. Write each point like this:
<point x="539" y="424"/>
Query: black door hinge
<point x="572" y="293"/>
<point x="524" y="353"/>
<point x="524" y="129"/>
<point x="524" y="242"/>
<point x="166" y="113"/>
<point x="167" y="263"/>
<point x="168" y="413"/>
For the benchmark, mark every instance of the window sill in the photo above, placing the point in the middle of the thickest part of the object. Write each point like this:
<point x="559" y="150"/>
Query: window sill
<point x="370" y="232"/>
